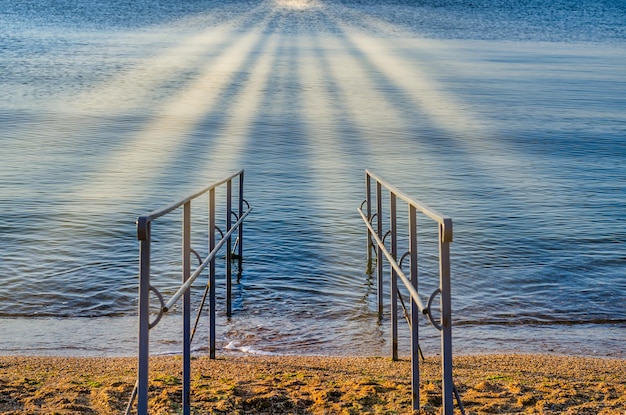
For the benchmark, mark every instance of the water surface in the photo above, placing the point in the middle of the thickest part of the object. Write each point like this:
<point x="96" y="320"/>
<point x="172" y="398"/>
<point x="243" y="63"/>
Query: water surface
<point x="508" y="117"/>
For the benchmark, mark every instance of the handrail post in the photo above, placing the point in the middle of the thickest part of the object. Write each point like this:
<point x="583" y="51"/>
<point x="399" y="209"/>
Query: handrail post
<point x="368" y="202"/>
<point x="143" y="230"/>
<point x="240" y="246"/>
<point x="186" y="260"/>
<point x="212" y="274"/>
<point x="394" y="281"/>
<point x="446" y="317"/>
<point x="229" y="270"/>
<point x="415" y="367"/>
<point x="379" y="251"/>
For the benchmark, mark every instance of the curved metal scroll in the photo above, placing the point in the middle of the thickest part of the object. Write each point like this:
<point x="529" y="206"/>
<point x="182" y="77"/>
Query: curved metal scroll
<point x="162" y="301"/>
<point x="198" y="257"/>
<point x="406" y="254"/>
<point x="386" y="235"/>
<point x="372" y="217"/>
<point x="362" y="203"/>
<point x="217" y="228"/>
<point x="428" y="311"/>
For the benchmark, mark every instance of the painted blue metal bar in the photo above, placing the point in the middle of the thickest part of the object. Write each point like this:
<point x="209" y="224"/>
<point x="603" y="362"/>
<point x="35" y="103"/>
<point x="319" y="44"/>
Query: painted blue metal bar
<point x="368" y="200"/>
<point x="212" y="274"/>
<point x="431" y="213"/>
<point x="167" y="209"/>
<point x="393" y="221"/>
<point x="399" y="273"/>
<point x="178" y="294"/>
<point x="241" y="201"/>
<point x="415" y="369"/>
<point x="229" y="265"/>
<point x="446" y="321"/>
<point x="144" y="321"/>
<point x="379" y="252"/>
<point x="186" y="260"/>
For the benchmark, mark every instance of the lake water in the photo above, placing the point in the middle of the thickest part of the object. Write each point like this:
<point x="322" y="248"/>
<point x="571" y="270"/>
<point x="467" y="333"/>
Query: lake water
<point x="508" y="116"/>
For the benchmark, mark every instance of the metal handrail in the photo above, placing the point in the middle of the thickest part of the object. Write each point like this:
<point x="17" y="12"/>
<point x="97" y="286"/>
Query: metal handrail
<point x="143" y="220"/>
<point x="443" y="220"/>
<point x="144" y="224"/>
<point x="375" y="234"/>
<point x="183" y="288"/>
<point x="396" y="266"/>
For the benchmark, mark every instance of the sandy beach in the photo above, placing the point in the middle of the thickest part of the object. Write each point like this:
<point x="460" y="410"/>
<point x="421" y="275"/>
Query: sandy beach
<point x="489" y="384"/>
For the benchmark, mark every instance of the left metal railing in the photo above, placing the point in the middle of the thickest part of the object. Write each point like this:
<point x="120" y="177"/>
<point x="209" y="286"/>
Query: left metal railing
<point x="144" y="231"/>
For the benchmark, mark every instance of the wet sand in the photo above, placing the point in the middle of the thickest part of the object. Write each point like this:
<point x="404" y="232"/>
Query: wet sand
<point x="488" y="384"/>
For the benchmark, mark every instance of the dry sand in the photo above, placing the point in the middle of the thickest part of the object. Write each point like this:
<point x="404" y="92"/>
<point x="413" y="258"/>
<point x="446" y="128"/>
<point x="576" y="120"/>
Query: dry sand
<point x="314" y="385"/>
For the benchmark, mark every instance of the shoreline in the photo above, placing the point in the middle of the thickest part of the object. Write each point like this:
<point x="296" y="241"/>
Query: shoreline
<point x="94" y="337"/>
<point x="487" y="383"/>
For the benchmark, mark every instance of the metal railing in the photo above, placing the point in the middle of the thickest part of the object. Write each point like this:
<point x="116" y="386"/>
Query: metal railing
<point x="376" y="239"/>
<point x="144" y="224"/>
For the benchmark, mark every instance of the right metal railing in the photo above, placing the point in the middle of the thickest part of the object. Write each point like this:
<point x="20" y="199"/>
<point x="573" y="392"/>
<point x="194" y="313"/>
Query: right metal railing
<point x="373" y="204"/>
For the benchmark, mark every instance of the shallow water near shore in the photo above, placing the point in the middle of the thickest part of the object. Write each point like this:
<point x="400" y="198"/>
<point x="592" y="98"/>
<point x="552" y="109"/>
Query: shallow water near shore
<point x="509" y="119"/>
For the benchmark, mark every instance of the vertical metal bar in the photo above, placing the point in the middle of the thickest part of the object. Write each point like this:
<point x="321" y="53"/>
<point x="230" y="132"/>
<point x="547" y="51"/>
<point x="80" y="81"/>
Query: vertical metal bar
<point x="144" y="319"/>
<point x="229" y="270"/>
<point x="379" y="251"/>
<point x="368" y="198"/>
<point x="212" y="274"/>
<point x="446" y="317"/>
<point x="240" y="246"/>
<point x="415" y="366"/>
<point x="394" y="281"/>
<point x="186" y="262"/>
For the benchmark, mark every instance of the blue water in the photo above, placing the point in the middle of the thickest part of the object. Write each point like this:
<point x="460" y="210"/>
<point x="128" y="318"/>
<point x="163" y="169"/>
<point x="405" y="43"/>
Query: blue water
<point x="509" y="117"/>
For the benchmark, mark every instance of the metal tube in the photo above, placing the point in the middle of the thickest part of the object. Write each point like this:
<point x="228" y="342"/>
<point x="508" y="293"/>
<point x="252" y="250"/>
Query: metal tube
<point x="144" y="320"/>
<point x="212" y="274"/>
<point x="228" y="246"/>
<point x="379" y="252"/>
<point x="415" y="366"/>
<point x="158" y="213"/>
<point x="431" y="213"/>
<point x="446" y="320"/>
<point x="202" y="266"/>
<point x="412" y="291"/>
<point x="240" y="239"/>
<point x="368" y="198"/>
<point x="186" y="260"/>
<point x="394" y="281"/>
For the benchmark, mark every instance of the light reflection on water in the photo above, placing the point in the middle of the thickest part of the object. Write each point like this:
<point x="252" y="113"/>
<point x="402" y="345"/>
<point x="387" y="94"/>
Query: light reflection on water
<point x="520" y="142"/>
